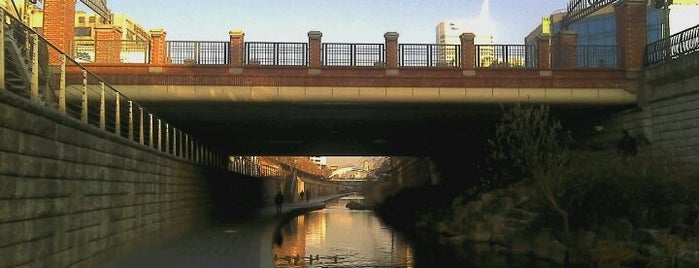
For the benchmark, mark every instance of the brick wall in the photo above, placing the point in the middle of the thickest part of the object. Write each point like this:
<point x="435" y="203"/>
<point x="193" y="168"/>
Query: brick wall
<point x="59" y="23"/>
<point x="73" y="195"/>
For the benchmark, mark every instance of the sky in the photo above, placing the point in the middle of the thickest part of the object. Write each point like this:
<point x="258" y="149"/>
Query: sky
<point x="353" y="21"/>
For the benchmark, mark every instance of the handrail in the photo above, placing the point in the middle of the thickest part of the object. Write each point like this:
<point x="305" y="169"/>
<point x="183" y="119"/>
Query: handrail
<point x="35" y="69"/>
<point x="675" y="46"/>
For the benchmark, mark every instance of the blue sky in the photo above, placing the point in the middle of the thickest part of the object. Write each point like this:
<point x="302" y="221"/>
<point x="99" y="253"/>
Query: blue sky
<point x="356" y="21"/>
<point x="339" y="20"/>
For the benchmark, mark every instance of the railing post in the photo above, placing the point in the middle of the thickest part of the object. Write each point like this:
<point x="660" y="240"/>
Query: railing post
<point x="174" y="141"/>
<point x="117" y="114"/>
<point x="564" y="46"/>
<point x="631" y="33"/>
<point x="160" y="135"/>
<point x="391" y="41"/>
<point x="131" y="120"/>
<point x="158" y="47"/>
<point x="468" y="51"/>
<point x="2" y="50"/>
<point x="314" y="49"/>
<point x="61" y="86"/>
<point x="141" y="138"/>
<point x="237" y="47"/>
<point x="543" y="47"/>
<point x="150" y="131"/>
<point x="186" y="147"/>
<point x="167" y="138"/>
<point x="103" y="113"/>
<point x="107" y="44"/>
<point x="34" y="95"/>
<point x="83" y="107"/>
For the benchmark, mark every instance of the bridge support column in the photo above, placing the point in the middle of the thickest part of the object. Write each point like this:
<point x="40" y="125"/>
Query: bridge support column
<point x="237" y="48"/>
<point x="108" y="44"/>
<point x="468" y="53"/>
<point x="59" y="24"/>
<point x="314" y="49"/>
<point x="564" y="45"/>
<point x="391" y="41"/>
<point x="158" y="47"/>
<point x="631" y="33"/>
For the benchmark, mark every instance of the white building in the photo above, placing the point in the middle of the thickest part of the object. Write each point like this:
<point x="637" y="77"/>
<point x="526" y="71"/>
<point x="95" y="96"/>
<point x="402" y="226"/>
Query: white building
<point x="449" y="32"/>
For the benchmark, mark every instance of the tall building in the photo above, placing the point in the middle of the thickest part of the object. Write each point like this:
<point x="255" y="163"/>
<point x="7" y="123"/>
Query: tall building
<point x="321" y="161"/>
<point x="449" y="32"/>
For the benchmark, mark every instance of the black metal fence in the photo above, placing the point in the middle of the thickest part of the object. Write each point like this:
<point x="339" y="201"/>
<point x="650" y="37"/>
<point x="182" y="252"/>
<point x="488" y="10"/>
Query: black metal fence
<point x="507" y="56"/>
<point x="679" y="44"/>
<point x="198" y="52"/>
<point x="270" y="53"/>
<point x="597" y="56"/>
<point x="121" y="51"/>
<point x="344" y="54"/>
<point x="429" y="55"/>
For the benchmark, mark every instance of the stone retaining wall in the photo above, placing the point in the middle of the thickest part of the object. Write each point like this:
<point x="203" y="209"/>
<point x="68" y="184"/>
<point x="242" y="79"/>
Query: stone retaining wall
<point x="72" y="194"/>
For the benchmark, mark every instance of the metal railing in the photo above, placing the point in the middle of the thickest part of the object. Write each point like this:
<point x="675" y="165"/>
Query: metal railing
<point x="429" y="55"/>
<point x="590" y="56"/>
<point x="198" y="52"/>
<point x="37" y="70"/>
<point x="507" y="56"/>
<point x="345" y="54"/>
<point x="677" y="45"/>
<point x="111" y="51"/>
<point x="279" y="54"/>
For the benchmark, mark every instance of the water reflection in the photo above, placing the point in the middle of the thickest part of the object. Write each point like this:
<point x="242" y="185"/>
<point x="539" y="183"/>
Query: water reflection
<point x="339" y="237"/>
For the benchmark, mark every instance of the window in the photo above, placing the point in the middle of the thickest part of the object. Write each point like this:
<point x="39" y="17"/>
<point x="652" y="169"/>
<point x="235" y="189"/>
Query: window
<point x="83" y="31"/>
<point x="92" y="19"/>
<point x="81" y="19"/>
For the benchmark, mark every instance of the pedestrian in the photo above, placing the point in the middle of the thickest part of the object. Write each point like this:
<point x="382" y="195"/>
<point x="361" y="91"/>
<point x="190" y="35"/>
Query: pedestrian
<point x="278" y="200"/>
<point x="308" y="195"/>
<point x="627" y="146"/>
<point x="302" y="193"/>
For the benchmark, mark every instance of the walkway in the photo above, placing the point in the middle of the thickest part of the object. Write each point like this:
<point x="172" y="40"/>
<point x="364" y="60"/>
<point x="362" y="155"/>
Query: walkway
<point x="241" y="244"/>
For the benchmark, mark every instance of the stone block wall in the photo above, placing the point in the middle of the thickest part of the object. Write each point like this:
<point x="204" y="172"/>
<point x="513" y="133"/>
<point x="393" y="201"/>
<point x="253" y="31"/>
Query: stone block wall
<point x="667" y="117"/>
<point x="72" y="195"/>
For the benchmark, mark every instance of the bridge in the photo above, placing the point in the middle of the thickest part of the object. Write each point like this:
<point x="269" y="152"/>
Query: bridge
<point x="103" y="156"/>
<point x="378" y="98"/>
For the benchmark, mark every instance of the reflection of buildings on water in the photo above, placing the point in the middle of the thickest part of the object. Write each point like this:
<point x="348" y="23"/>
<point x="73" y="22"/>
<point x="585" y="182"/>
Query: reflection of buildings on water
<point x="293" y="247"/>
<point x="354" y="238"/>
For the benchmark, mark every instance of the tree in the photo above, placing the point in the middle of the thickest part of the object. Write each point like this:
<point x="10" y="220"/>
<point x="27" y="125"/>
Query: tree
<point x="530" y="144"/>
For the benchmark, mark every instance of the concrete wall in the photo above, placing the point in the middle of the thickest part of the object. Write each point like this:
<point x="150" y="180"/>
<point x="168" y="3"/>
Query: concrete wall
<point x="667" y="117"/>
<point x="73" y="195"/>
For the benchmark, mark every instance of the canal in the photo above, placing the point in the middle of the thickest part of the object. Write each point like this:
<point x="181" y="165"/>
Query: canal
<point x="339" y="237"/>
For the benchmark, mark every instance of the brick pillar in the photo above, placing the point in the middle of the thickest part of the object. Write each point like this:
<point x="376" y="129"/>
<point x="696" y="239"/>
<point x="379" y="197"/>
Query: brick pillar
<point x="108" y="44"/>
<point x="544" y="51"/>
<point x="468" y="51"/>
<point x="237" y="48"/>
<point x="158" y="54"/>
<point x="631" y="33"/>
<point x="59" y="23"/>
<point x="564" y="48"/>
<point x="391" y="50"/>
<point x="314" y="49"/>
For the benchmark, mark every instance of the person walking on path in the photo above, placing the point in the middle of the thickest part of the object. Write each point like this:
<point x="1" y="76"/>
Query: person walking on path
<point x="301" y="194"/>
<point x="278" y="200"/>
<point x="308" y="195"/>
<point x="627" y="146"/>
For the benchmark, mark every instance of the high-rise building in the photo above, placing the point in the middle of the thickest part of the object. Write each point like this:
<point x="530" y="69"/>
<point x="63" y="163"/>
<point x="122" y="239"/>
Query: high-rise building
<point x="449" y="32"/>
<point x="321" y="161"/>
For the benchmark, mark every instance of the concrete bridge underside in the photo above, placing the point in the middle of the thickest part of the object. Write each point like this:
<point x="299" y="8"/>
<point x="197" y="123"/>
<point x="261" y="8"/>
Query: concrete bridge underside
<point x="350" y="127"/>
<point x="357" y="111"/>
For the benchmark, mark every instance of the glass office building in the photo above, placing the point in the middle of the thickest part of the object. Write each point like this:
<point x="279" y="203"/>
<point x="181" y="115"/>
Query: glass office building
<point x="596" y="34"/>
